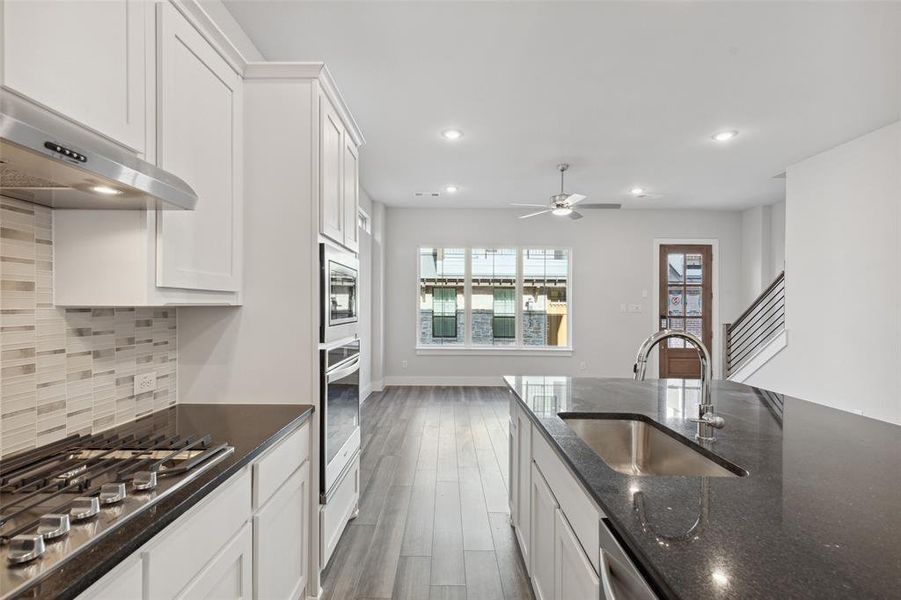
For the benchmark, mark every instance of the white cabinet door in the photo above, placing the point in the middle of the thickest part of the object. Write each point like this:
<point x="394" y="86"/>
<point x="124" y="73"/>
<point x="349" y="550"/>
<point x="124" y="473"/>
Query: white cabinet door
<point x="281" y="538"/>
<point x="351" y="196"/>
<point x="228" y="575"/>
<point x="331" y="180"/>
<point x="125" y="582"/>
<point x="523" y="482"/>
<point x="85" y="60"/>
<point x="544" y="518"/>
<point x="199" y="140"/>
<point x="573" y="573"/>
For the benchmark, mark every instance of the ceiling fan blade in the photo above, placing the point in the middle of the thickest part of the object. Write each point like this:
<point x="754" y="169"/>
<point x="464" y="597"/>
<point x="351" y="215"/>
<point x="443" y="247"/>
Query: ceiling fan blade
<point x="529" y="205"/>
<point x="601" y="205"/>
<point x="575" y="215"/>
<point x="535" y="214"/>
<point x="575" y="198"/>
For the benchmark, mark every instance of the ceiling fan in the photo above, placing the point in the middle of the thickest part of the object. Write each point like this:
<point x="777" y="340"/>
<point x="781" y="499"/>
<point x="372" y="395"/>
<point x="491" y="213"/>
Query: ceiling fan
<point x="562" y="204"/>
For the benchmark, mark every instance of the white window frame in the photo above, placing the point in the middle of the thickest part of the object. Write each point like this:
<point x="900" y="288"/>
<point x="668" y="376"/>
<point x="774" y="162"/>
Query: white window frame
<point x="518" y="349"/>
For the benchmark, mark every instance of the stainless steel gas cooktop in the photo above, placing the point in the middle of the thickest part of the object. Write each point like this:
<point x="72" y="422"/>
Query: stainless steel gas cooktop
<point x="57" y="500"/>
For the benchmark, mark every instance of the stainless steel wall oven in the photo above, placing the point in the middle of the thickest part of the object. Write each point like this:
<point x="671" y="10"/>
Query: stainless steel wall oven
<point x="340" y="439"/>
<point x="340" y="293"/>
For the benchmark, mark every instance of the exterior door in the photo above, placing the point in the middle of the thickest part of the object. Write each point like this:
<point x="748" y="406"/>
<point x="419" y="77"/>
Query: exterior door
<point x="686" y="300"/>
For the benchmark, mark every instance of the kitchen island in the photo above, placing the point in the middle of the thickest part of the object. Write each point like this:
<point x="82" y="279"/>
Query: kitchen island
<point x="815" y="514"/>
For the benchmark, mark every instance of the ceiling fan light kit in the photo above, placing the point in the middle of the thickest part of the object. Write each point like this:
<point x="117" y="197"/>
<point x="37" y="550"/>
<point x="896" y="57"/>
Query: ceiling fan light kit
<point x="561" y="205"/>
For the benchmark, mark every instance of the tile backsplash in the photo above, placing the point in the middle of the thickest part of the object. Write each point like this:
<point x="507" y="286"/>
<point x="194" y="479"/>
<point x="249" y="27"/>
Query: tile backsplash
<point x="69" y="370"/>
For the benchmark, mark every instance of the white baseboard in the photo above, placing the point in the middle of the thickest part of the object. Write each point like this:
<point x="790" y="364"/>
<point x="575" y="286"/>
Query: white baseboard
<point x="450" y="380"/>
<point x="763" y="356"/>
<point x="377" y="386"/>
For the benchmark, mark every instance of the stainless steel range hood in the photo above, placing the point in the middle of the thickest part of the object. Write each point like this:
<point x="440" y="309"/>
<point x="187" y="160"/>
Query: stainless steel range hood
<point x="47" y="160"/>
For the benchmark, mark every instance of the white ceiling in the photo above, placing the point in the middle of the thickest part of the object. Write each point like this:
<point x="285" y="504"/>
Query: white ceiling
<point x="629" y="93"/>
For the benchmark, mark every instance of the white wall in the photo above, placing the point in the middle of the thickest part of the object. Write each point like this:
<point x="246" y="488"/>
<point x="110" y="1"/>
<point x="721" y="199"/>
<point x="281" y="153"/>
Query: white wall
<point x="777" y="239"/>
<point x="843" y="257"/>
<point x="755" y="252"/>
<point x="762" y="248"/>
<point x="220" y="14"/>
<point x="378" y="242"/>
<point x="364" y="329"/>
<point x="613" y="264"/>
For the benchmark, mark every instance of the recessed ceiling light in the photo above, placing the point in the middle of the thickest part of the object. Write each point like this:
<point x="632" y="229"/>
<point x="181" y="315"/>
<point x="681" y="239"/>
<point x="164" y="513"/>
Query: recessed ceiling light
<point x="105" y="189"/>
<point x="637" y="191"/>
<point x="452" y="134"/>
<point x="562" y="211"/>
<point x="451" y="189"/>
<point x="725" y="136"/>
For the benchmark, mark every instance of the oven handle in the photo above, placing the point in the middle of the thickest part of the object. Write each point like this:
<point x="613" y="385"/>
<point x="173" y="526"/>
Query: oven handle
<point x="343" y="372"/>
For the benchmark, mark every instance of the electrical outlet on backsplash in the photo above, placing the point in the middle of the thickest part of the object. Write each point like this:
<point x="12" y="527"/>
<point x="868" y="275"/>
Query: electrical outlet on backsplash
<point x="69" y="370"/>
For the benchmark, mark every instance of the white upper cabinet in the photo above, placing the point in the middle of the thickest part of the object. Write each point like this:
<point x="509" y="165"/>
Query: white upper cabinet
<point x="339" y="169"/>
<point x="87" y="60"/>
<point x="351" y="195"/>
<point x="199" y="139"/>
<point x="331" y="180"/>
<point x="166" y="257"/>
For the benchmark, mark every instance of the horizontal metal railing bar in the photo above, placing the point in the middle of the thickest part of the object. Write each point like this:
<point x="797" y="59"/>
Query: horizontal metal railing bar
<point x="735" y="352"/>
<point x="739" y="360"/>
<point x="779" y="279"/>
<point x="777" y="297"/>
<point x="754" y="335"/>
<point x="777" y="303"/>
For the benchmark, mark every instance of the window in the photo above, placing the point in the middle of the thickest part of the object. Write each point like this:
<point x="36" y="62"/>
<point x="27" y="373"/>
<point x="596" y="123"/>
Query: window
<point x="442" y="273"/>
<point x="494" y="297"/>
<point x="444" y="312"/>
<point x="545" y="301"/>
<point x="363" y="221"/>
<point x="493" y="276"/>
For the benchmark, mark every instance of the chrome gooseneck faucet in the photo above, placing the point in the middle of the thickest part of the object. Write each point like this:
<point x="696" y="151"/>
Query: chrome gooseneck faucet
<point x="707" y="419"/>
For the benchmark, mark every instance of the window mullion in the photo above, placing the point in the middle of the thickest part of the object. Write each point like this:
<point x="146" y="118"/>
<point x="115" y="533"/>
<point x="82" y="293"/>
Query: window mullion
<point x="467" y="298"/>
<point x="520" y="279"/>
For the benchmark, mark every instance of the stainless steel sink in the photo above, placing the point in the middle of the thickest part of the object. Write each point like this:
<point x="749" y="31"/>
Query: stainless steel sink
<point x="637" y="447"/>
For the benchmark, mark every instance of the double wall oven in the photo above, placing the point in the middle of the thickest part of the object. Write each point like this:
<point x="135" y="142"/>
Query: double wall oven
<point x="340" y="365"/>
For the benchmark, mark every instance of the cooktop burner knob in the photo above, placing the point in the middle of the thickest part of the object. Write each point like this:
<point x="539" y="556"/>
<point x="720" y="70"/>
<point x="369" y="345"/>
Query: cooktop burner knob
<point x="23" y="548"/>
<point x="52" y="526"/>
<point x="144" y="480"/>
<point x="111" y="493"/>
<point x="84" y="507"/>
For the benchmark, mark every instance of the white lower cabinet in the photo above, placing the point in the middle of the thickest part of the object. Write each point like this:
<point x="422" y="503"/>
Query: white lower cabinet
<point x="575" y="578"/>
<point x="125" y="582"/>
<point x="228" y="574"/>
<point x="564" y="538"/>
<point x="544" y="518"/>
<point x="520" y="479"/>
<point x="227" y="546"/>
<point x="280" y="540"/>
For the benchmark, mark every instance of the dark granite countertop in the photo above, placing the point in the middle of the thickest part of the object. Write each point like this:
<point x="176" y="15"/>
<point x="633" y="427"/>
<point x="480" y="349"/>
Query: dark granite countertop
<point x="250" y="428"/>
<point x="817" y="516"/>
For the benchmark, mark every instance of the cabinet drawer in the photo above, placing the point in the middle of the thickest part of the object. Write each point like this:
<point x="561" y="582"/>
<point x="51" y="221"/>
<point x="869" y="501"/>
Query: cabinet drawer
<point x="195" y="538"/>
<point x="578" y="508"/>
<point x="271" y="471"/>
<point x="125" y="582"/>
<point x="341" y="505"/>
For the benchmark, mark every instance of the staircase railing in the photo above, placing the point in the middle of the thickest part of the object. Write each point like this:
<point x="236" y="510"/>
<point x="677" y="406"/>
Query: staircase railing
<point x="762" y="321"/>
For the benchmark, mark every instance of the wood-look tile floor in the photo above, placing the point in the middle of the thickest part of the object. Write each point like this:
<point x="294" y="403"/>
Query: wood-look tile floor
<point x="434" y="521"/>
